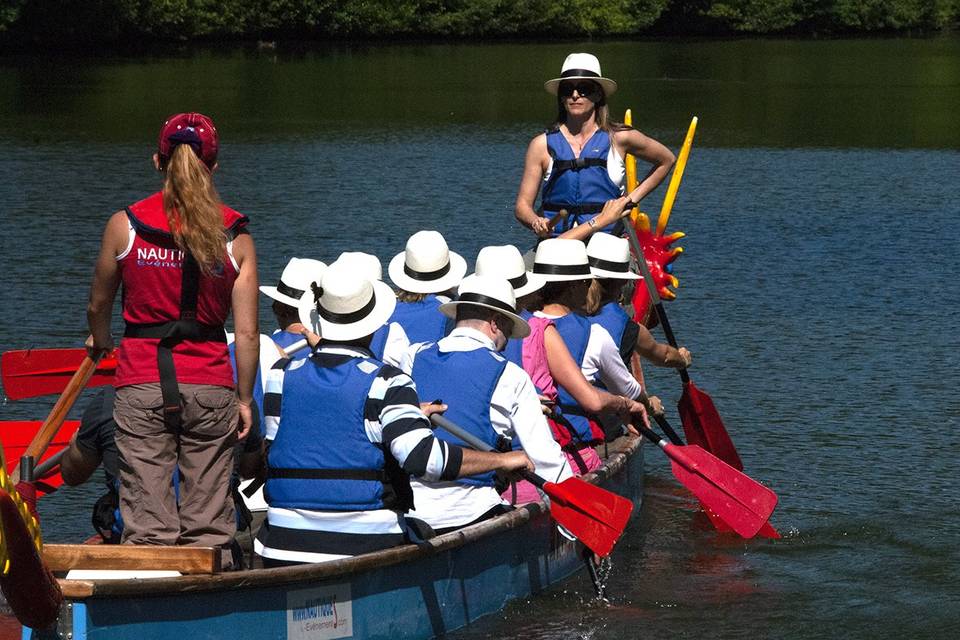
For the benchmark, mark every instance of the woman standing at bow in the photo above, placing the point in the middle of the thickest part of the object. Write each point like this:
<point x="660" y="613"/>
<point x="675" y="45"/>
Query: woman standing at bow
<point x="185" y="260"/>
<point x="578" y="164"/>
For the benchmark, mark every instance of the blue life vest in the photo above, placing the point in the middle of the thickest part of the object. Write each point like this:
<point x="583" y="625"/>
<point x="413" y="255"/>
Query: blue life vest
<point x="580" y="185"/>
<point x="378" y="344"/>
<point x="575" y="331"/>
<point x="465" y="382"/>
<point x="284" y="339"/>
<point x="514" y="349"/>
<point x="321" y="458"/>
<point x="422" y="321"/>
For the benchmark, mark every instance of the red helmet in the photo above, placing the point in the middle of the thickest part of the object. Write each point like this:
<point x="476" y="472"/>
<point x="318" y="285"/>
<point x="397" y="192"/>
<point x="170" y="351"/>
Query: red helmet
<point x="194" y="129"/>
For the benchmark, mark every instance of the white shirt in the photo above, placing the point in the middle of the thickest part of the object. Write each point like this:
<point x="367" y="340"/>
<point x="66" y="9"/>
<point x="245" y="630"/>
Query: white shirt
<point x="515" y="413"/>
<point x="602" y="359"/>
<point x="396" y="346"/>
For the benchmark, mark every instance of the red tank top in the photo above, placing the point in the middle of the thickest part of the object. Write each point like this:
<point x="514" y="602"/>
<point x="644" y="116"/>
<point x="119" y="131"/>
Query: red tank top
<point x="151" y="273"/>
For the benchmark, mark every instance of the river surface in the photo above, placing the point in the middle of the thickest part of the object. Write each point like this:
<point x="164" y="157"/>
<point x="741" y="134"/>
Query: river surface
<point x="818" y="288"/>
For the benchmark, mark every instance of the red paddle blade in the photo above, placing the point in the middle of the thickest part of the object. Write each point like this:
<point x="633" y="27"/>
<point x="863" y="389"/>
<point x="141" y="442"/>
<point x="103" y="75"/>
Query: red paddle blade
<point x="16" y="436"/>
<point x="703" y="426"/>
<point x="766" y="530"/>
<point x="737" y="499"/>
<point x="597" y="517"/>
<point x="41" y="372"/>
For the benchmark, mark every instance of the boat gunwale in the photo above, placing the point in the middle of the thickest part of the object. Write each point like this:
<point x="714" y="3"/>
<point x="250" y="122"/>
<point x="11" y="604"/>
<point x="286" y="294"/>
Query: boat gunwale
<point x="77" y="590"/>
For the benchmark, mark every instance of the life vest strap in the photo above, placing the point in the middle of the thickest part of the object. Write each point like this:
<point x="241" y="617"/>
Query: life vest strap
<point x="376" y="475"/>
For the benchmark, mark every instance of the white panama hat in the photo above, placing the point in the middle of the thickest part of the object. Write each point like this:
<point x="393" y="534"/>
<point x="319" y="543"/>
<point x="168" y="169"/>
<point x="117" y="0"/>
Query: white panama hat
<point x="350" y="306"/>
<point x="427" y="265"/>
<point x="610" y="257"/>
<point x="505" y="261"/>
<point x="295" y="280"/>
<point x="366" y="264"/>
<point x="562" y="260"/>
<point x="581" y="66"/>
<point x="492" y="293"/>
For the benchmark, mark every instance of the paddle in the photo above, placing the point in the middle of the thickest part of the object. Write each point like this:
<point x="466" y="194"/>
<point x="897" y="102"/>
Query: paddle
<point x="51" y="425"/>
<point x="16" y="436"/>
<point x="40" y="372"/>
<point x="700" y="419"/>
<point x="766" y="531"/>
<point x="594" y="515"/>
<point x="740" y="501"/>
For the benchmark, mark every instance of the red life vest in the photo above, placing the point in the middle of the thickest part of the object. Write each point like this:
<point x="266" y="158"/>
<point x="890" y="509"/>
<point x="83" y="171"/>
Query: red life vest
<point x="152" y="272"/>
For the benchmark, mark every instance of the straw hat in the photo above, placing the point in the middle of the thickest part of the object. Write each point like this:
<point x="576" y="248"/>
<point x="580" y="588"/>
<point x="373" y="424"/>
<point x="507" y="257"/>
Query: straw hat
<point x="350" y="306"/>
<point x="491" y="293"/>
<point x="561" y="260"/>
<point x="506" y="262"/>
<point x="295" y="280"/>
<point x="610" y="257"/>
<point x="366" y="264"/>
<point x="427" y="265"/>
<point x="581" y="66"/>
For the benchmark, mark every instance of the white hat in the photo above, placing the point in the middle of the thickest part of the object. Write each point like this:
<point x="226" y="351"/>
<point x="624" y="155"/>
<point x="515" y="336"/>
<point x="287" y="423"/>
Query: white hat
<point x="610" y="257"/>
<point x="581" y="66"/>
<point x="506" y="262"/>
<point x="427" y="265"/>
<point x="296" y="278"/>
<point x="560" y="260"/>
<point x="492" y="293"/>
<point x="350" y="305"/>
<point x="366" y="264"/>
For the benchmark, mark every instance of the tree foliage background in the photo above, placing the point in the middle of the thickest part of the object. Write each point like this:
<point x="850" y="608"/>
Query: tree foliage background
<point x="63" y="22"/>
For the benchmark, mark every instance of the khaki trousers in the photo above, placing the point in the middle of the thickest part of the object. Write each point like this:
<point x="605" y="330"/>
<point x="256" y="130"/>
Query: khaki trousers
<point x="203" y="448"/>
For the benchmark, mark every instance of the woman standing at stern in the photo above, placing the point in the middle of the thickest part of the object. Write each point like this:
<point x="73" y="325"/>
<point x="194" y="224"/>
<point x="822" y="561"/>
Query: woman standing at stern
<point x="578" y="164"/>
<point x="185" y="260"/>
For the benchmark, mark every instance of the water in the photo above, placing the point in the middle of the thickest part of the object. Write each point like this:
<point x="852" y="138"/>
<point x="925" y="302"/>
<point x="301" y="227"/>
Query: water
<point x="818" y="287"/>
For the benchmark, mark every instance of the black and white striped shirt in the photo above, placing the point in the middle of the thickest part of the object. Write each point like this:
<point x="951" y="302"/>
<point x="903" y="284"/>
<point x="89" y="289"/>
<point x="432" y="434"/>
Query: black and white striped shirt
<point x="392" y="418"/>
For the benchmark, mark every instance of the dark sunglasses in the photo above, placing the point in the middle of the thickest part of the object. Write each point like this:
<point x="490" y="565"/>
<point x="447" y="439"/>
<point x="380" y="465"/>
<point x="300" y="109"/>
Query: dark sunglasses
<point x="584" y="88"/>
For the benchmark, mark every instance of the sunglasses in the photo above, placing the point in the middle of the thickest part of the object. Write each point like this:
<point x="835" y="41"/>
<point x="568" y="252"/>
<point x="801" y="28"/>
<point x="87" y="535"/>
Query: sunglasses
<point x="584" y="89"/>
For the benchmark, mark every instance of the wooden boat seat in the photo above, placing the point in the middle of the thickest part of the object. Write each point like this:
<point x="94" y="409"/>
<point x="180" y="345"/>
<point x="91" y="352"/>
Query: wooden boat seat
<point x="115" y="557"/>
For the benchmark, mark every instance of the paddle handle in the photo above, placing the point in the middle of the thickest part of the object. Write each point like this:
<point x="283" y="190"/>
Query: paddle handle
<point x="557" y="219"/>
<point x="59" y="412"/>
<point x="478" y="444"/>
<point x="296" y="346"/>
<point x="654" y="296"/>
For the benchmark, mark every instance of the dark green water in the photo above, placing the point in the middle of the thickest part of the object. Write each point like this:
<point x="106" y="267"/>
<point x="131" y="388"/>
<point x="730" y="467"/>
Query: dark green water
<point x="818" y="288"/>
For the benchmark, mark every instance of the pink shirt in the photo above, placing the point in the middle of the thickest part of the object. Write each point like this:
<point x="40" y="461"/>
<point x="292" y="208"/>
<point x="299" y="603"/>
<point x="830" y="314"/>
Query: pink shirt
<point x="535" y="357"/>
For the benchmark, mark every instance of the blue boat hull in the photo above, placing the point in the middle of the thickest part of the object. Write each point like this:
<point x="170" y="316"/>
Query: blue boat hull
<point x="406" y="593"/>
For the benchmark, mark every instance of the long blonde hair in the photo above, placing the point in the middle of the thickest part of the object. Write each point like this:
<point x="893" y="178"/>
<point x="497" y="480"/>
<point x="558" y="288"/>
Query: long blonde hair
<point x="193" y="208"/>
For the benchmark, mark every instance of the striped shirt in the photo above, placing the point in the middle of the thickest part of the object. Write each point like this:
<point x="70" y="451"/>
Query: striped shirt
<point x="393" y="420"/>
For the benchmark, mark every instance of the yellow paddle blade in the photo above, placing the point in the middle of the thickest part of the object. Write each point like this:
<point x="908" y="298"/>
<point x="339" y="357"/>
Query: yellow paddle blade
<point x="675" y="179"/>
<point x="641" y="220"/>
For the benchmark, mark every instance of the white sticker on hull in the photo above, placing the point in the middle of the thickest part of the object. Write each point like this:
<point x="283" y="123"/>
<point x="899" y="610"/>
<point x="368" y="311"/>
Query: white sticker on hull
<point x="321" y="613"/>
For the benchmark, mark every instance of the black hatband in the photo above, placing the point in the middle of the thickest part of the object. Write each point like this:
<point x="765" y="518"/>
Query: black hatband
<point x="427" y="275"/>
<point x="479" y="298"/>
<point x="608" y="265"/>
<point x="562" y="269"/>
<point x="348" y="318"/>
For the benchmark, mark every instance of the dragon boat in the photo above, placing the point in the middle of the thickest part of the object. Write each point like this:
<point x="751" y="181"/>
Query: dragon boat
<point x="408" y="592"/>
<point x="95" y="591"/>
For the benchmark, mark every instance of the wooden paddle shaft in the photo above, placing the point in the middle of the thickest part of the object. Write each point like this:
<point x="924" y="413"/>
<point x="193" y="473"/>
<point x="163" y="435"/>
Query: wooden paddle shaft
<point x="59" y="412"/>
<point x="478" y="444"/>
